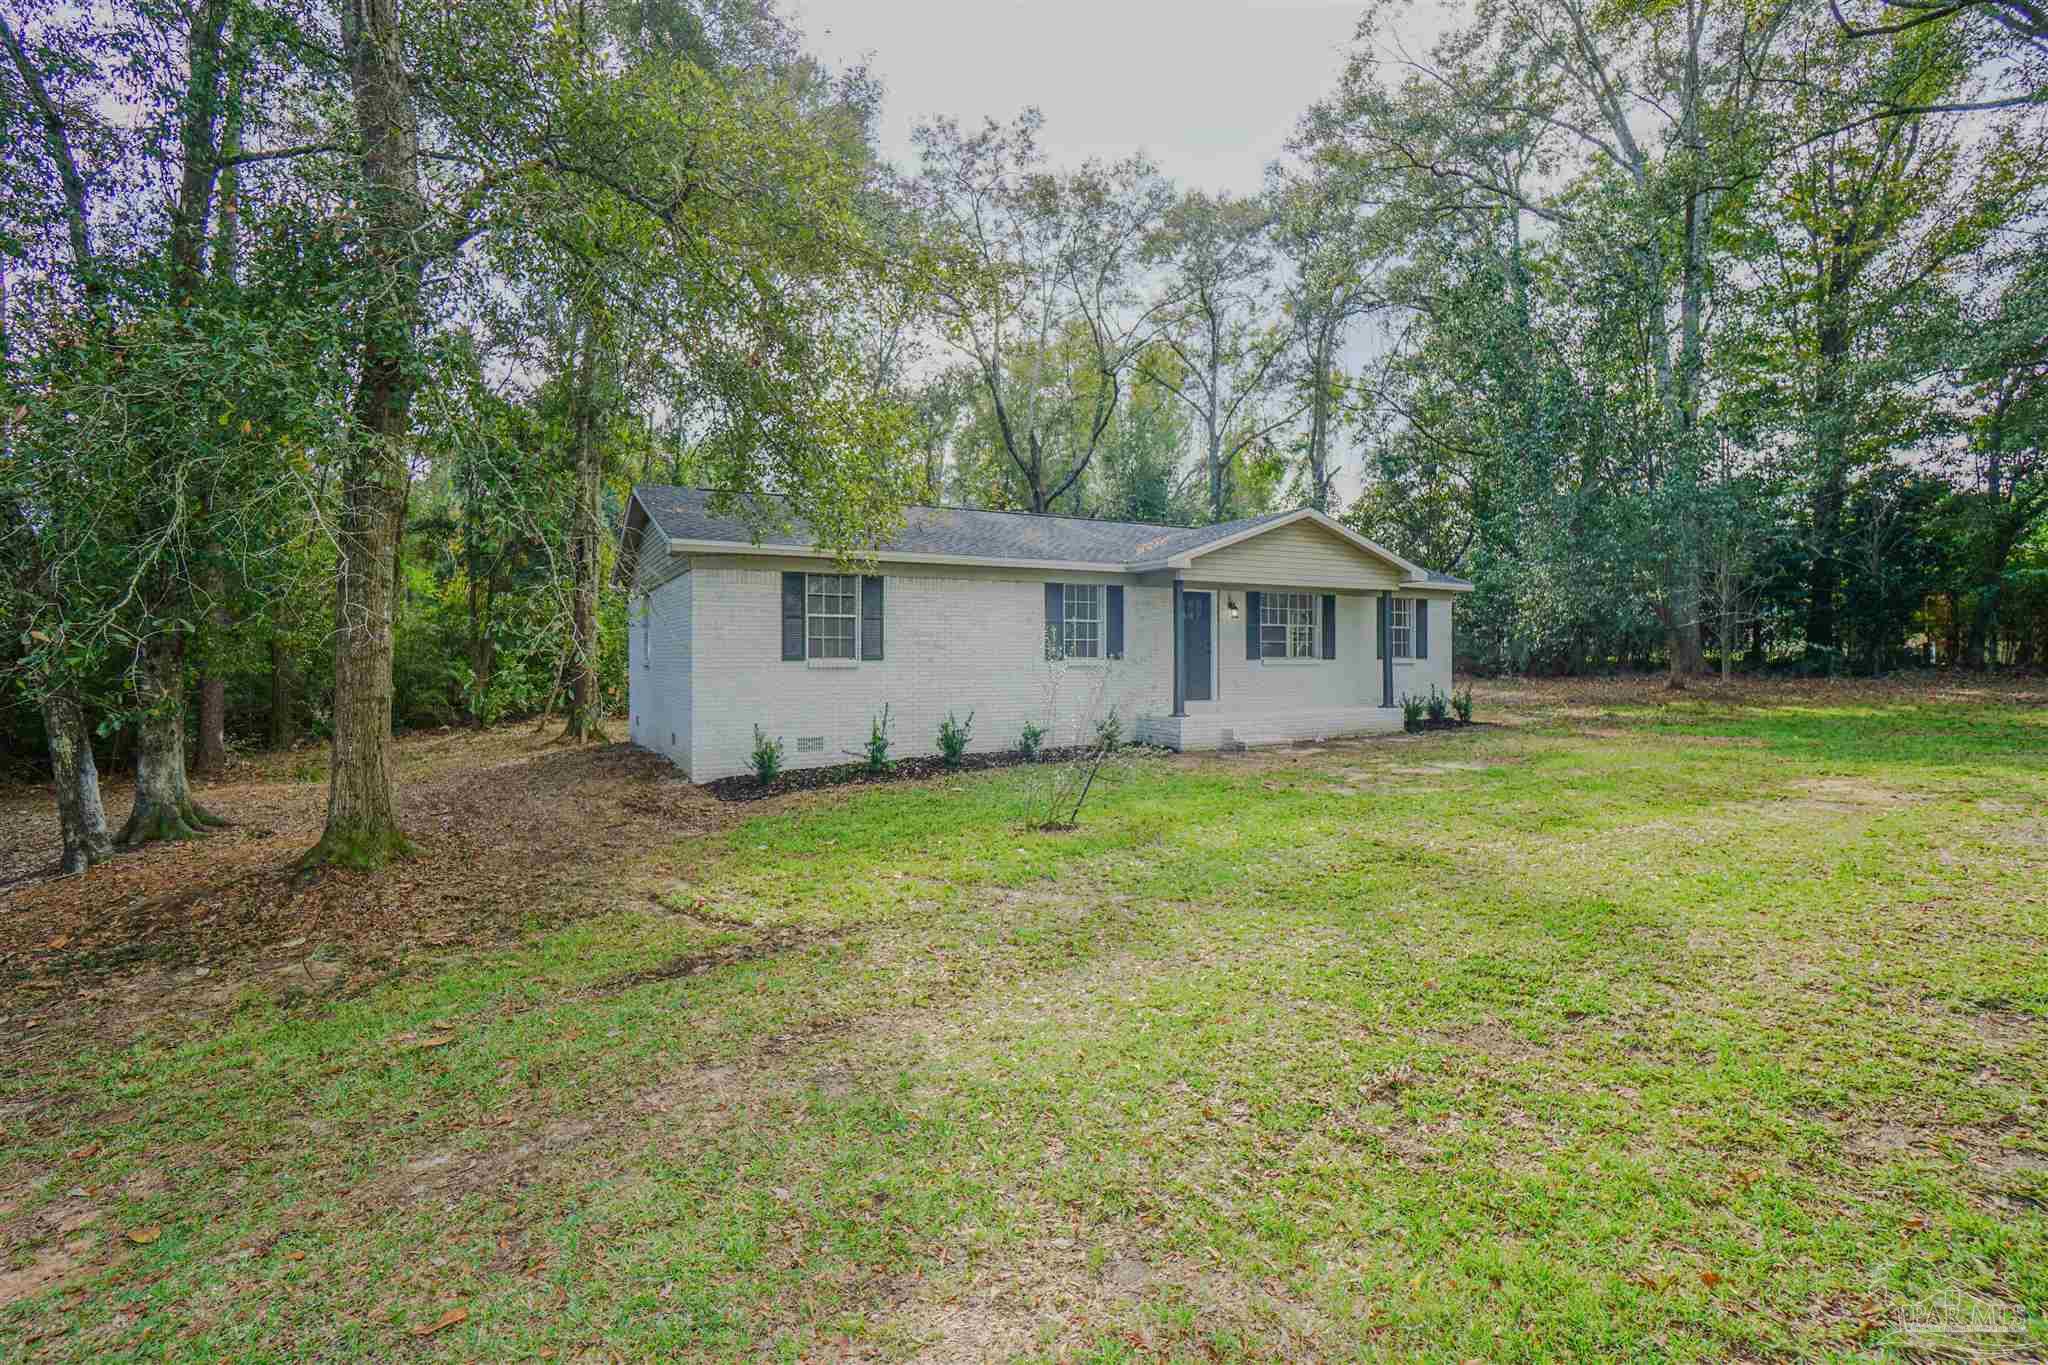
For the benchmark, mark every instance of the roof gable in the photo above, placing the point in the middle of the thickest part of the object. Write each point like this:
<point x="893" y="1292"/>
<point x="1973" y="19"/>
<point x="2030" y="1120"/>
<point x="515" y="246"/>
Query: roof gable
<point x="1322" y="522"/>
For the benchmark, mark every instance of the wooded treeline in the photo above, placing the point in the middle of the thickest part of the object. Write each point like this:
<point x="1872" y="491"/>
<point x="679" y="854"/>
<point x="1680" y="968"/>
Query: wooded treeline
<point x="334" y="334"/>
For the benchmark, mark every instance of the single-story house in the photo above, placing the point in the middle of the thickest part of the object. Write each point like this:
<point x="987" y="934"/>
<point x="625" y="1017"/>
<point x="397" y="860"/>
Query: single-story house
<point x="1272" y="628"/>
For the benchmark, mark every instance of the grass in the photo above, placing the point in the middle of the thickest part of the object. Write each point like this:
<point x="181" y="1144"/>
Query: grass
<point x="1686" y="1031"/>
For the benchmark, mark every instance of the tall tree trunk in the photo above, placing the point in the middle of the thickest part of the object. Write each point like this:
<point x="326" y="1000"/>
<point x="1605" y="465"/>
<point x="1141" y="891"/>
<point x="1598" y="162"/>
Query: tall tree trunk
<point x="586" y="543"/>
<point x="362" y="811"/>
<point x="80" y="813"/>
<point x="1319" y="399"/>
<point x="282" y="728"/>
<point x="163" y="808"/>
<point x="1831" y="474"/>
<point x="210" y="754"/>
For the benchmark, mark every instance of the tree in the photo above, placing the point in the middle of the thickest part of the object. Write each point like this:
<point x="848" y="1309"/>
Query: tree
<point x="151" y="390"/>
<point x="1325" y="232"/>
<point x="754" y="279"/>
<point x="1030" y="262"/>
<point x="1215" y="319"/>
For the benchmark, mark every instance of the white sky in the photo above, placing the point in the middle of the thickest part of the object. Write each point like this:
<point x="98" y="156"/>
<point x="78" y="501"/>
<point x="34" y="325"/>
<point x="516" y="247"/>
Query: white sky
<point x="1211" y="91"/>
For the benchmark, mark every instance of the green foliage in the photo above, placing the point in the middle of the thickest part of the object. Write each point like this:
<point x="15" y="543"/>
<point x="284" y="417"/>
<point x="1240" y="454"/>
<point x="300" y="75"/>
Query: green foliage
<point x="767" y="757"/>
<point x="1412" y="710"/>
<point x="1109" y="731"/>
<point x="954" y="736"/>
<point x="875" y="753"/>
<point x="1461" y="703"/>
<point x="1438" y="704"/>
<point x="1031" y="739"/>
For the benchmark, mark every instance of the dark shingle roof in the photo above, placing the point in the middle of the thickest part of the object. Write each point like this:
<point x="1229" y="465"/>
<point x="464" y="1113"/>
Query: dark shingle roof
<point x="684" y="514"/>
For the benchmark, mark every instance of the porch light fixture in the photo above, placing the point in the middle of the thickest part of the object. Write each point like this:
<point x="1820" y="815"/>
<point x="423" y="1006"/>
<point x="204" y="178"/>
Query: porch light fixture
<point x="1230" y="605"/>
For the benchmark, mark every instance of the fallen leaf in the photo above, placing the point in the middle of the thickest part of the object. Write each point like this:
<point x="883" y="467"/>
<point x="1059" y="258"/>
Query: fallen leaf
<point x="91" y="1149"/>
<point x="447" y="1319"/>
<point x="142" y="1237"/>
<point x="296" y="1256"/>
<point x="1709" y="1278"/>
<point x="59" y="941"/>
<point x="438" y="1040"/>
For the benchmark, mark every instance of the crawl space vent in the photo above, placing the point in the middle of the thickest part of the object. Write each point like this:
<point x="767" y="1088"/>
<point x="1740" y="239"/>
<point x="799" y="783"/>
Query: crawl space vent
<point x="810" y="744"/>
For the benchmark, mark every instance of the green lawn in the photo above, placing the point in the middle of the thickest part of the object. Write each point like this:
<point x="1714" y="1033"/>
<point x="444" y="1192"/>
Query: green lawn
<point x="1695" y="1032"/>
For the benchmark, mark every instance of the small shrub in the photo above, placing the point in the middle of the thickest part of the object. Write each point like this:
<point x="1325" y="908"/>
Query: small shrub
<point x="876" y="751"/>
<point x="1109" y="731"/>
<point x="1412" y="709"/>
<point x="953" y="737"/>
<point x="1461" y="702"/>
<point x="767" y="759"/>
<point x="1439" y="704"/>
<point x="1031" y="740"/>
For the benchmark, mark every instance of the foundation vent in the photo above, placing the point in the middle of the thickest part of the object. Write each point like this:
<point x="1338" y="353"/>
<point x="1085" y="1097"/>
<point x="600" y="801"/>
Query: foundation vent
<point x="810" y="744"/>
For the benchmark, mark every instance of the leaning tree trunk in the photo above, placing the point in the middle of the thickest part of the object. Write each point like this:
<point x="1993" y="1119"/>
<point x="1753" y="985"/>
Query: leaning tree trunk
<point x="586" y="534"/>
<point x="79" y="811"/>
<point x="362" y="810"/>
<point x="163" y="808"/>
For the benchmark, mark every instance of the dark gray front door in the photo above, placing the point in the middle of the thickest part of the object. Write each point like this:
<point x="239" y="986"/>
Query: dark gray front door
<point x="1198" y="644"/>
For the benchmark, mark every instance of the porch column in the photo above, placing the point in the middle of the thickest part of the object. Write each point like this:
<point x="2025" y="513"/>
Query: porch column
<point x="1386" y="637"/>
<point x="1180" y="654"/>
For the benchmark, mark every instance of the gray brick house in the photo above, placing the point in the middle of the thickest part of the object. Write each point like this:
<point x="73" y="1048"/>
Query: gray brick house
<point x="1279" y="627"/>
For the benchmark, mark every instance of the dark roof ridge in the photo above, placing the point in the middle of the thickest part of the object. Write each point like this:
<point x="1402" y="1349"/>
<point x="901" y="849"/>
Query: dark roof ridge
<point x="1001" y="511"/>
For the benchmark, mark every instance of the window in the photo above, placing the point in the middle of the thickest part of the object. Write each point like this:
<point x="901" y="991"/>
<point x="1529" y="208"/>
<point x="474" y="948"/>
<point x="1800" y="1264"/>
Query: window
<point x="646" y="633"/>
<point x="831" y="614"/>
<point x="1401" y="628"/>
<point x="1081" y="628"/>
<point x="1287" y="625"/>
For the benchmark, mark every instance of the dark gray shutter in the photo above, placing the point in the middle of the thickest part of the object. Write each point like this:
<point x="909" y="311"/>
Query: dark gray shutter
<point x="1251" y="624"/>
<point x="1420" y="607"/>
<point x="1329" y="625"/>
<point x="871" y="616"/>
<point x="1386" y="631"/>
<point x="1055" y="615"/>
<point x="1115" y="611"/>
<point x="792" y="616"/>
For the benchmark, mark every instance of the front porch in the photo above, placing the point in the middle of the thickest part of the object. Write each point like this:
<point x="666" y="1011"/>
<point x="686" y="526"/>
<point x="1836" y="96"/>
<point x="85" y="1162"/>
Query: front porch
<point x="1249" y="728"/>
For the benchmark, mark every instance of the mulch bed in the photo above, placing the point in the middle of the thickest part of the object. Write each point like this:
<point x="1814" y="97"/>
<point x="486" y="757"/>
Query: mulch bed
<point x="747" y="788"/>
<point x="1448" y="723"/>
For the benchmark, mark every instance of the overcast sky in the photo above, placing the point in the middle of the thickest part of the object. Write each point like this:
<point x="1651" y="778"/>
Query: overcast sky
<point x="1210" y="90"/>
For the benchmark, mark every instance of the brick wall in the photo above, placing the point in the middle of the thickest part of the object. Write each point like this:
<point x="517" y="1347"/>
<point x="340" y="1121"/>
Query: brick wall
<point x="954" y="641"/>
<point x="960" y="641"/>
<point x="658" y="658"/>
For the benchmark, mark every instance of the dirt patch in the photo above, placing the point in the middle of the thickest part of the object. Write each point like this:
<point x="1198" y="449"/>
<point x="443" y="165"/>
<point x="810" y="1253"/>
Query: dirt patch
<point x="2011" y="1028"/>
<point x="450" y="1176"/>
<point x="51" y="1266"/>
<point x="1886" y="1141"/>
<point x="1058" y="1299"/>
<point x="1490" y="1039"/>
<point x="1853" y="793"/>
<point x="514" y="832"/>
